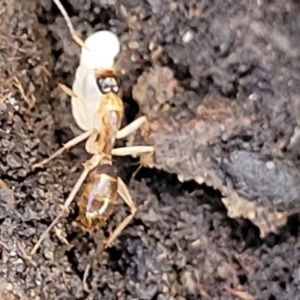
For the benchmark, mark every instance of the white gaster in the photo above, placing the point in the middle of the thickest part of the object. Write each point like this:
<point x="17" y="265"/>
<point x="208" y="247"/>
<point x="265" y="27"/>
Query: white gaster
<point x="103" y="48"/>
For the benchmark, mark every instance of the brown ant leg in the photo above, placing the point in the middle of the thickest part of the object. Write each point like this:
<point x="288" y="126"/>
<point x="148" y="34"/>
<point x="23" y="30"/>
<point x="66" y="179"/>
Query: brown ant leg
<point x="65" y="15"/>
<point x="67" y="90"/>
<point x="70" y="93"/>
<point x="146" y="153"/>
<point x="66" y="146"/>
<point x="132" y="150"/>
<point x="85" y="285"/>
<point x="132" y="127"/>
<point x="88" y="166"/>
<point x="98" y="252"/>
<point x="124" y="193"/>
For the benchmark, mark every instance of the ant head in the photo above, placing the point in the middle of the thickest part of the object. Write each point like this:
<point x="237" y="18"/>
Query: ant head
<point x="108" y="84"/>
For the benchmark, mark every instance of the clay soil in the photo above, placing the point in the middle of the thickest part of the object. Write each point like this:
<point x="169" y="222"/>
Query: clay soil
<point x="181" y="244"/>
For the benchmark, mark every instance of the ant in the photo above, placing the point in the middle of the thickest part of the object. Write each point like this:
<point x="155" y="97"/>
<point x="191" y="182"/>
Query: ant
<point x="100" y="193"/>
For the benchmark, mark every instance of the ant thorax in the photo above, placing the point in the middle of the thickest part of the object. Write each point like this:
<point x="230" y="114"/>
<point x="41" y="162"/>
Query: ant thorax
<point x="108" y="85"/>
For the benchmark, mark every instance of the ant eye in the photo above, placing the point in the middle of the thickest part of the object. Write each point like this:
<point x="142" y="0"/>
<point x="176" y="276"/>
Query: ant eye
<point x="103" y="86"/>
<point x="116" y="89"/>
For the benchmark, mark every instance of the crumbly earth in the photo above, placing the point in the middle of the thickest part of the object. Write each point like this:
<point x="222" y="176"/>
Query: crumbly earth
<point x="231" y="71"/>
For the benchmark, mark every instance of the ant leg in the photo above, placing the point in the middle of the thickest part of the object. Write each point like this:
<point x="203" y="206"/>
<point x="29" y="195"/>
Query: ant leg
<point x="132" y="150"/>
<point x="79" y="103"/>
<point x="91" y="145"/>
<point x="132" y="127"/>
<point x="74" y="35"/>
<point x="88" y="166"/>
<point x="124" y="193"/>
<point x="67" y="90"/>
<point x="85" y="277"/>
<point x="146" y="153"/>
<point x="78" y="139"/>
<point x="97" y="253"/>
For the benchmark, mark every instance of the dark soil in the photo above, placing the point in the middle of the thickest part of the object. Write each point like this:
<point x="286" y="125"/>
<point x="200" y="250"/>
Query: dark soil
<point x="231" y="64"/>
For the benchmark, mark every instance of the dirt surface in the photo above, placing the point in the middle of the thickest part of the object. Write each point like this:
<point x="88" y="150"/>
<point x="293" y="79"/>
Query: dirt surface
<point x="222" y="100"/>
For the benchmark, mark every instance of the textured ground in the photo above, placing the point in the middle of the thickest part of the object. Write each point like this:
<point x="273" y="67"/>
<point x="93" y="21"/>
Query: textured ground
<point x="228" y="98"/>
